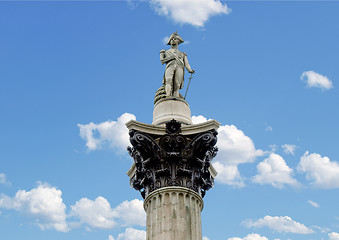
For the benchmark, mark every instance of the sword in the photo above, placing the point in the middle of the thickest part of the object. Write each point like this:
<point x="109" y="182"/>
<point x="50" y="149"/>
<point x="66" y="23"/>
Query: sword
<point x="190" y="78"/>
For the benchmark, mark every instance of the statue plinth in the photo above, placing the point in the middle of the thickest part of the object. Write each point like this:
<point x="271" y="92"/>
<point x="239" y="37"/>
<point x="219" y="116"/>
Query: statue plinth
<point x="172" y="170"/>
<point x="170" y="108"/>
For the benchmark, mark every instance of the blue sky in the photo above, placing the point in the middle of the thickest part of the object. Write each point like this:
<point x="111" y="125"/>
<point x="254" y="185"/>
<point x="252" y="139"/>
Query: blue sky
<point x="72" y="74"/>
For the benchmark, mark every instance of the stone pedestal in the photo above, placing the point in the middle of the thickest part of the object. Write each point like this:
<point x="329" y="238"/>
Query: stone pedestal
<point x="171" y="108"/>
<point x="173" y="213"/>
<point x="172" y="170"/>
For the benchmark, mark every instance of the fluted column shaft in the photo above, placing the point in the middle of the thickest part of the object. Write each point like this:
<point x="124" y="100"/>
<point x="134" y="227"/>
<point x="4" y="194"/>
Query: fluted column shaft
<point x="173" y="213"/>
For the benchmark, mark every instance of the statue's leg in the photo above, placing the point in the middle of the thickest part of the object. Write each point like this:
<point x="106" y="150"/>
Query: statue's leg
<point x="168" y="89"/>
<point x="169" y="73"/>
<point x="178" y="80"/>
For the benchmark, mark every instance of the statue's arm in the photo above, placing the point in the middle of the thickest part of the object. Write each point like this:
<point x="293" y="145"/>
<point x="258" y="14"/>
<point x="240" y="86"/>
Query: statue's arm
<point x="187" y="65"/>
<point x="165" y="58"/>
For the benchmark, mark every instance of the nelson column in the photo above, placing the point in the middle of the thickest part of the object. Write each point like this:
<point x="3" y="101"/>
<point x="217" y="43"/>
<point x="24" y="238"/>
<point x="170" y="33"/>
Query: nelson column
<point x="172" y="156"/>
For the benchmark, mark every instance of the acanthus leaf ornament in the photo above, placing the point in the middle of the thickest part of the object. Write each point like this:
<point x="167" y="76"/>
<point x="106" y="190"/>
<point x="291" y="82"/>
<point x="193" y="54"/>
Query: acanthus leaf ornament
<point x="172" y="159"/>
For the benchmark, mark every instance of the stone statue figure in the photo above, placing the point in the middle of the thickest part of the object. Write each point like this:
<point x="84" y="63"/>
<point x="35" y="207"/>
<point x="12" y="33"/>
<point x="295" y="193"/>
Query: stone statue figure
<point x="176" y="62"/>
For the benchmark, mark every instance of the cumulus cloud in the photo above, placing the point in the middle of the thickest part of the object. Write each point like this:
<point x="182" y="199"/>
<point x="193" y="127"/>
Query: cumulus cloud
<point x="99" y="214"/>
<point x="319" y="170"/>
<point x="44" y="203"/>
<point x="252" y="236"/>
<point x="234" y="148"/>
<point x="132" y="212"/>
<point x="279" y="224"/>
<point x="199" y="119"/>
<point x="113" y="134"/>
<point x="333" y="236"/>
<point x="3" y="179"/>
<point x="314" y="204"/>
<point x="110" y="237"/>
<point x="132" y="234"/>
<point x="205" y="238"/>
<point x="289" y="148"/>
<point x="314" y="79"/>
<point x="194" y="12"/>
<point x="228" y="174"/>
<point x="274" y="170"/>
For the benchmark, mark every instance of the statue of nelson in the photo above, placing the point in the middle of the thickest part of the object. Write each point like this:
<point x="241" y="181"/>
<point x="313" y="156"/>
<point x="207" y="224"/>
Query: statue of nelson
<point x="176" y="62"/>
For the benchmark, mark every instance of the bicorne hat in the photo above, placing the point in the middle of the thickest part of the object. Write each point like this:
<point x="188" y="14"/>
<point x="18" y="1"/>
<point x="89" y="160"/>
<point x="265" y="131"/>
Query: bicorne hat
<point x="175" y="34"/>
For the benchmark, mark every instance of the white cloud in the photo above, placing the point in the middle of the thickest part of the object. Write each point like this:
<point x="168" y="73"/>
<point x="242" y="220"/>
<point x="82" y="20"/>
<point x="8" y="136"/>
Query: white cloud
<point x="199" y="119"/>
<point x="99" y="214"/>
<point x="228" y="174"/>
<point x="252" y="236"/>
<point x="3" y="179"/>
<point x="279" y="224"/>
<point x="132" y="234"/>
<point x="274" y="170"/>
<point x="319" y="170"/>
<point x="194" y="12"/>
<point x="110" y="237"/>
<point x="314" y="79"/>
<point x="314" y="204"/>
<point x="205" y="238"/>
<point x="110" y="133"/>
<point x="234" y="148"/>
<point x="333" y="236"/>
<point x="43" y="203"/>
<point x="132" y="212"/>
<point x="289" y="148"/>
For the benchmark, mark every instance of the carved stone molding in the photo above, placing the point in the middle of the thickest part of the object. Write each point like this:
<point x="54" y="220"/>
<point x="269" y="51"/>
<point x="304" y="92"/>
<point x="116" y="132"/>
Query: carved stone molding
<point x="172" y="159"/>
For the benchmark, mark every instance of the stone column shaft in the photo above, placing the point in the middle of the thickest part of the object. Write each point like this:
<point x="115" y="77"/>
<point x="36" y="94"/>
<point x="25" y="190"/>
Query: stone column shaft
<point x="173" y="213"/>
